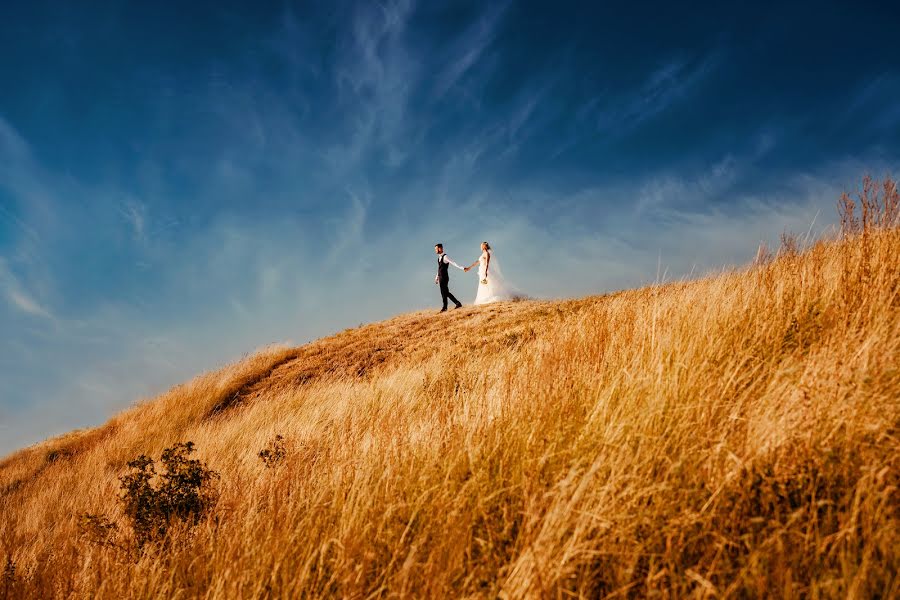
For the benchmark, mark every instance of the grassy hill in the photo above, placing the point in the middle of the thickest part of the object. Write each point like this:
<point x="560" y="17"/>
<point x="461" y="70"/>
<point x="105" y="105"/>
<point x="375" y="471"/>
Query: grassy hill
<point x="731" y="436"/>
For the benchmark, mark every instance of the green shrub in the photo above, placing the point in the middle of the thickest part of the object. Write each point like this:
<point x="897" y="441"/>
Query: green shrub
<point x="183" y="492"/>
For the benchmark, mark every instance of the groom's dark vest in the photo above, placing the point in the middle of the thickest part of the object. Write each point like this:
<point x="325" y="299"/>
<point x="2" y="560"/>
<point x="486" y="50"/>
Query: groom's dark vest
<point x="443" y="269"/>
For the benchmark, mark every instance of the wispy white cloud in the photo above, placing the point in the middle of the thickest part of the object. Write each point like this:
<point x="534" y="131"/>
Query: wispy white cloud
<point x="17" y="295"/>
<point x="134" y="212"/>
<point x="376" y="75"/>
<point x="468" y="49"/>
<point x="26" y="303"/>
<point x="664" y="87"/>
<point x="615" y="115"/>
<point x="12" y="145"/>
<point x="874" y="103"/>
<point x="670" y="190"/>
<point x="22" y="178"/>
<point x="347" y="230"/>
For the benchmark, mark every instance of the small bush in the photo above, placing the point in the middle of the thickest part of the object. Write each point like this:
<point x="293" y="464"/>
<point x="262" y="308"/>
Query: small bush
<point x="273" y="454"/>
<point x="184" y="492"/>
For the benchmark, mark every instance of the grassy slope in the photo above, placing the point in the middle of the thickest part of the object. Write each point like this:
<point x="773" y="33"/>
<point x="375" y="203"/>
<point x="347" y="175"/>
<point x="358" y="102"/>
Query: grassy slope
<point x="734" y="435"/>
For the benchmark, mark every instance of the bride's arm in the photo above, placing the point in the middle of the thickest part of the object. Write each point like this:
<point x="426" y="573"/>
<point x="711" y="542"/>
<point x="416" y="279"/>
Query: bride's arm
<point x="487" y="265"/>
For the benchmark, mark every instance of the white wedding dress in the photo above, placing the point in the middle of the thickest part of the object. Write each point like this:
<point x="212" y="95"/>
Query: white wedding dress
<point x="497" y="288"/>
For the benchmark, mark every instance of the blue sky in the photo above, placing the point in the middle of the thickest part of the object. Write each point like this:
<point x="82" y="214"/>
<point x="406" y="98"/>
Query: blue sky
<point x="181" y="183"/>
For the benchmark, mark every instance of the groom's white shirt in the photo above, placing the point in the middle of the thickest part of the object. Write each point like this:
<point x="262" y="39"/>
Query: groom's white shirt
<point x="448" y="260"/>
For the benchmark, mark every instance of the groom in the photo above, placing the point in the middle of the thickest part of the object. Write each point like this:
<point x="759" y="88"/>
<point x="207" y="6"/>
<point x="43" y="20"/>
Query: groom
<point x="443" y="277"/>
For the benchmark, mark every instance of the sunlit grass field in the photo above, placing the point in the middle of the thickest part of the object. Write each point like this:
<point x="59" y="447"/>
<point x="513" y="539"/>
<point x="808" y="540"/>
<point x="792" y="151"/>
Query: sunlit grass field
<point x="732" y="436"/>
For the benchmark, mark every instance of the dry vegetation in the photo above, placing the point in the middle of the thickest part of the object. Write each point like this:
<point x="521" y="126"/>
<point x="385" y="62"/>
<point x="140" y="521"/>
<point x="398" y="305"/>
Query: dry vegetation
<point x="734" y="436"/>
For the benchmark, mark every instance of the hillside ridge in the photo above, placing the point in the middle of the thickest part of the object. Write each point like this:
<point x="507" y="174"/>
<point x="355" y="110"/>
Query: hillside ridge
<point x="413" y="336"/>
<point x="728" y="435"/>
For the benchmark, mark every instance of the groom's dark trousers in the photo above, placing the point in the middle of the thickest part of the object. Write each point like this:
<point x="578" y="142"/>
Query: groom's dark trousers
<point x="443" y="277"/>
<point x="445" y="293"/>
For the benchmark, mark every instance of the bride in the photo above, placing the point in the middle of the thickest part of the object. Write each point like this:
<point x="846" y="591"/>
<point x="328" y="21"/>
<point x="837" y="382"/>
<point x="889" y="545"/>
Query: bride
<point x="492" y="287"/>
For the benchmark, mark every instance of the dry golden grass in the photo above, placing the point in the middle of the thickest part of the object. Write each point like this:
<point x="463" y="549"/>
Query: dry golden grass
<point x="734" y="436"/>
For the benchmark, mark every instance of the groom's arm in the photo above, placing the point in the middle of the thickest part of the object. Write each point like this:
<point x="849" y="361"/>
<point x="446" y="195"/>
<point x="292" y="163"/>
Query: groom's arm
<point x="449" y="260"/>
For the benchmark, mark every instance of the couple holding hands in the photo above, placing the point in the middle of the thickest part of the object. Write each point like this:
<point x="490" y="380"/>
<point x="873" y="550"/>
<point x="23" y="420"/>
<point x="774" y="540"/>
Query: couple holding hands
<point x="491" y="285"/>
